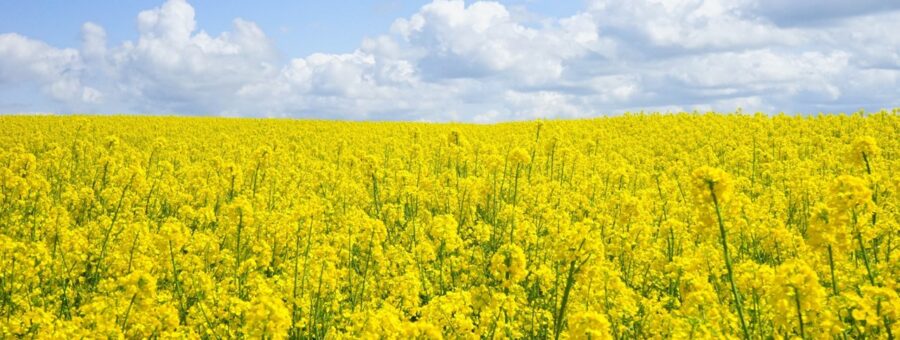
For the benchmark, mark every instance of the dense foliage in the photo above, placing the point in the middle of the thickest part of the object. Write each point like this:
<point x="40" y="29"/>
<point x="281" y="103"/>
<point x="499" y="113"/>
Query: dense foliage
<point x="641" y="226"/>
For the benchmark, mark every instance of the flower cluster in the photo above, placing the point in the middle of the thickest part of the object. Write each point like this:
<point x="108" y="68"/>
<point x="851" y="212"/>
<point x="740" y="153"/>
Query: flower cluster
<point x="640" y="226"/>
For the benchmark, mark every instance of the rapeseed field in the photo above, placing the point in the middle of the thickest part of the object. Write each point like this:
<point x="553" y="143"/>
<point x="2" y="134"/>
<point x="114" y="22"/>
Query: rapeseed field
<point x="669" y="226"/>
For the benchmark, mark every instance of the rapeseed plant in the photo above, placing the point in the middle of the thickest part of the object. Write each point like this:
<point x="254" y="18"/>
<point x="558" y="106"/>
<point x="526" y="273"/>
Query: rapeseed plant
<point x="640" y="226"/>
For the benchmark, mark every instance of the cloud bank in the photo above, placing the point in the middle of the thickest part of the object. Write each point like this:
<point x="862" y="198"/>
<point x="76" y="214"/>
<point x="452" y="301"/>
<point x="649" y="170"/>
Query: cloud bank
<point x="482" y="62"/>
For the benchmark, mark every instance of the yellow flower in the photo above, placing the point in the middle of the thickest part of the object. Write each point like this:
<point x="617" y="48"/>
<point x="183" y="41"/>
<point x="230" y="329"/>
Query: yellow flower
<point x="797" y="297"/>
<point x="589" y="325"/>
<point x="518" y="156"/>
<point x="162" y="227"/>
<point x="508" y="265"/>
<point x="267" y="317"/>
<point x="712" y="184"/>
<point x="864" y="150"/>
<point x="849" y="193"/>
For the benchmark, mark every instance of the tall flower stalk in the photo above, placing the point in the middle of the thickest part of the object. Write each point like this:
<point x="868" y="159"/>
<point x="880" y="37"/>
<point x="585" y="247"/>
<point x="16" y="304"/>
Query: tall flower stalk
<point x="714" y="186"/>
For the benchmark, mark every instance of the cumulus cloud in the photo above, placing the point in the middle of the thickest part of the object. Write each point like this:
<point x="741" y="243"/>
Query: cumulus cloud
<point x="172" y="67"/>
<point x="56" y="71"/>
<point x="452" y="40"/>
<point x="656" y="26"/>
<point x="485" y="62"/>
<point x="817" y="12"/>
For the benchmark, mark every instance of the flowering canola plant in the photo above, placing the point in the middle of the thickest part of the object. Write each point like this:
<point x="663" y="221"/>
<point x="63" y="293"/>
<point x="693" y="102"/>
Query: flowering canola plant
<point x="667" y="226"/>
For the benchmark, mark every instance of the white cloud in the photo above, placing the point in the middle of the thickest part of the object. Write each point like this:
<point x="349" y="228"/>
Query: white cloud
<point x="486" y="62"/>
<point x="172" y="67"/>
<point x="689" y="24"/>
<point x="56" y="73"/>
<point x="763" y="69"/>
<point x="817" y="12"/>
<point x="93" y="41"/>
<point x="542" y="104"/>
<point x="481" y="40"/>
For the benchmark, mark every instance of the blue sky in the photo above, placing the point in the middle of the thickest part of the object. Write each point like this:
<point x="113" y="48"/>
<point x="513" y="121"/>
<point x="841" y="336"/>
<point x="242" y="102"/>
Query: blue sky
<point x="446" y="60"/>
<point x="298" y="27"/>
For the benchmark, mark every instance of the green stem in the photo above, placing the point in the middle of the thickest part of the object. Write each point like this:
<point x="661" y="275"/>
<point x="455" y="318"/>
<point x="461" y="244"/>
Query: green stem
<point x="127" y="312"/>
<point x="179" y="292"/>
<point x="734" y="291"/>
<point x="868" y="167"/>
<point x="799" y="312"/>
<point x="560" y="314"/>
<point x="831" y="265"/>
<point x="862" y="250"/>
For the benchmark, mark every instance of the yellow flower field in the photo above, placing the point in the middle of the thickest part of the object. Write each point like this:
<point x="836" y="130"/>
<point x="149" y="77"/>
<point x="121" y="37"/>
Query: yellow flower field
<point x="641" y="226"/>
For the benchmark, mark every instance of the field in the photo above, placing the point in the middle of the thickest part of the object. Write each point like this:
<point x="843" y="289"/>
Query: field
<point x="639" y="226"/>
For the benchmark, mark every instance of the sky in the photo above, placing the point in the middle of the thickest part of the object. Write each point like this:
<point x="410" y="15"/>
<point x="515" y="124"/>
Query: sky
<point x="447" y="60"/>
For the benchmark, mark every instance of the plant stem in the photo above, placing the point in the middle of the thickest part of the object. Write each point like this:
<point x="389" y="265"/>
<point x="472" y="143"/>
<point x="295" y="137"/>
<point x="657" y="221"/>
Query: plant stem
<point x="734" y="291"/>
<point x="799" y="312"/>
<point x="831" y="265"/>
